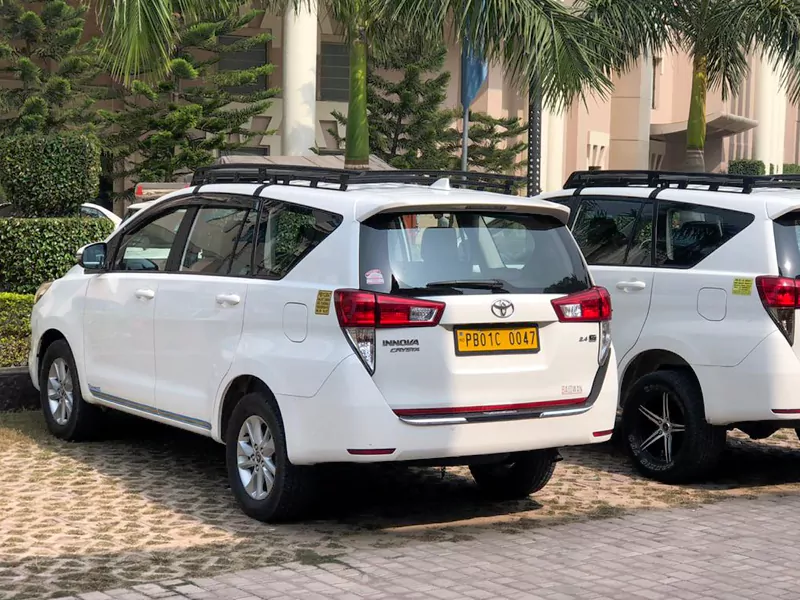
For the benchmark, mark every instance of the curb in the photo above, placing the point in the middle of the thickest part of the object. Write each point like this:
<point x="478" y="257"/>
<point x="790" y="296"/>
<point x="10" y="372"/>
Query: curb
<point x="16" y="390"/>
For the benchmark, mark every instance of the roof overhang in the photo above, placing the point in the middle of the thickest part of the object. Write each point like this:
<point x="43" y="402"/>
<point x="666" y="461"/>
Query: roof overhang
<point x="718" y="124"/>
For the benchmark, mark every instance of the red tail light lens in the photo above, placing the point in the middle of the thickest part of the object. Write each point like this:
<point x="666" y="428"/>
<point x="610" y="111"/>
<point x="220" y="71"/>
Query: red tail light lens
<point x="780" y="297"/>
<point x="777" y="292"/>
<point x="590" y="306"/>
<point x="364" y="309"/>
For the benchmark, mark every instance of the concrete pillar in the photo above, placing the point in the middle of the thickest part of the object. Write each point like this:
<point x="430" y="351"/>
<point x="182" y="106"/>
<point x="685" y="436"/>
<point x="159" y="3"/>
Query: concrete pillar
<point x="631" y="105"/>
<point x="763" y="146"/>
<point x="553" y="150"/>
<point x="298" y="130"/>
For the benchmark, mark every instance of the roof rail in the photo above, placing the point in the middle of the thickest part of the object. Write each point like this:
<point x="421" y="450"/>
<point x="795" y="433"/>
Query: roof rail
<point x="680" y="180"/>
<point x="342" y="178"/>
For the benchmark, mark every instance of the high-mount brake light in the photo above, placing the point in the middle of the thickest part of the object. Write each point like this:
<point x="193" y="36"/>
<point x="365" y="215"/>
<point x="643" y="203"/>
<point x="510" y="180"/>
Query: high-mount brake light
<point x="780" y="297"/>
<point x="360" y="313"/>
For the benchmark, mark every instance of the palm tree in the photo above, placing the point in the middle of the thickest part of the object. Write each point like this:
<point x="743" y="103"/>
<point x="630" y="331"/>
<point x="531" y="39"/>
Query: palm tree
<point x="533" y="39"/>
<point x="718" y="35"/>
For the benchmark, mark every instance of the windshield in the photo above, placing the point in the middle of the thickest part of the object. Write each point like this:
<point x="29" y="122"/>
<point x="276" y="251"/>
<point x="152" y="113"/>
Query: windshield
<point x="469" y="252"/>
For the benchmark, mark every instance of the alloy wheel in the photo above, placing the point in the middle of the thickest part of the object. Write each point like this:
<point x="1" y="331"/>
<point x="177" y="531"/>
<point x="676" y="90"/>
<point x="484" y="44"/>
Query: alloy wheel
<point x="660" y="427"/>
<point x="255" y="457"/>
<point x="60" y="396"/>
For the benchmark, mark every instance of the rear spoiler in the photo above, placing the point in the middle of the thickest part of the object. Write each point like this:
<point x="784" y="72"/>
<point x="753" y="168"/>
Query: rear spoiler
<point x="151" y="191"/>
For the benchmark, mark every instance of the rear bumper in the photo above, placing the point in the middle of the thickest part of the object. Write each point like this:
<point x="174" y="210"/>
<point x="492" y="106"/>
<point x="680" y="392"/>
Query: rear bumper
<point x="765" y="386"/>
<point x="349" y="415"/>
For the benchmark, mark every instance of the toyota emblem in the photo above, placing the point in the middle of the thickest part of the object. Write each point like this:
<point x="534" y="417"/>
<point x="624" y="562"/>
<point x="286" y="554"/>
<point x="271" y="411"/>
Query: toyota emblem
<point x="502" y="309"/>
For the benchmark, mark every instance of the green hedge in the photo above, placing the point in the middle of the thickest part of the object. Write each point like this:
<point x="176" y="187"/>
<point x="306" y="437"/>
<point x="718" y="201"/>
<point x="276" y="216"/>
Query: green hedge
<point x="33" y="251"/>
<point x="49" y="175"/>
<point x="15" y="328"/>
<point x="747" y="167"/>
<point x="791" y="169"/>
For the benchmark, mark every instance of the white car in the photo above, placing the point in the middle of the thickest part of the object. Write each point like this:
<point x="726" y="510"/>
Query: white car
<point x="703" y="272"/>
<point x="331" y="316"/>
<point x="96" y="211"/>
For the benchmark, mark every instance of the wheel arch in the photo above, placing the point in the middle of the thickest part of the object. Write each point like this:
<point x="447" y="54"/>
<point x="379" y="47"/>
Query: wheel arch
<point x="237" y="388"/>
<point x="651" y="361"/>
<point x="47" y="339"/>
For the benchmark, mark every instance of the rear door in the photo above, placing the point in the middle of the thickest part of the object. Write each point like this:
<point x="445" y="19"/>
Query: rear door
<point x="616" y="238"/>
<point x="499" y="343"/>
<point x="199" y="310"/>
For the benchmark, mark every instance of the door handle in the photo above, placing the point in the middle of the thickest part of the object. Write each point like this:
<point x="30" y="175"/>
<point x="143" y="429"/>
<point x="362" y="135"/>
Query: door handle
<point x="230" y="299"/>
<point x="631" y="285"/>
<point x="145" y="294"/>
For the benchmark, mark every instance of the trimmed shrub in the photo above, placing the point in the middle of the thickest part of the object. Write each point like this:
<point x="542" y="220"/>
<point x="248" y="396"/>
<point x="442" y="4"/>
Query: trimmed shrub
<point x="49" y="175"/>
<point x="33" y="251"/>
<point x="791" y="169"/>
<point x="15" y="328"/>
<point x="747" y="167"/>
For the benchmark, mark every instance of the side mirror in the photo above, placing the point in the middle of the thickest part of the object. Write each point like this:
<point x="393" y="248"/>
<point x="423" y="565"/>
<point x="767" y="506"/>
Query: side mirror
<point x="92" y="257"/>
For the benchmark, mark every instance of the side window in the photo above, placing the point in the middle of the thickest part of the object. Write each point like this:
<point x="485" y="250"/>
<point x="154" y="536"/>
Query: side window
<point x="603" y="228"/>
<point x="92" y="213"/>
<point x="287" y="233"/>
<point x="640" y="253"/>
<point x="688" y="233"/>
<point x="147" y="248"/>
<point x="212" y="240"/>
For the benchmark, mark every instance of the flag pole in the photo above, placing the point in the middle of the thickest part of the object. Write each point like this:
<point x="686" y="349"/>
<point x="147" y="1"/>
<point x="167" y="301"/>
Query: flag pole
<point x="465" y="141"/>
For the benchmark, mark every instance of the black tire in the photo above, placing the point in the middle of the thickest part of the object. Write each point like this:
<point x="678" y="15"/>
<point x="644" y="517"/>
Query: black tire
<point x="292" y="490"/>
<point x="690" y="454"/>
<point x="525" y="473"/>
<point x="83" y="420"/>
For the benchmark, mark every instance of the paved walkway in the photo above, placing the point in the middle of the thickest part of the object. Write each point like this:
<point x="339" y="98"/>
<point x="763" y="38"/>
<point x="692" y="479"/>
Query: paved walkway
<point x="736" y="549"/>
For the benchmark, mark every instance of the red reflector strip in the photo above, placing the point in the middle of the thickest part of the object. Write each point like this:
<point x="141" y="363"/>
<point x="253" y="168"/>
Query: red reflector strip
<point x="489" y="408"/>
<point x="603" y="433"/>
<point x="370" y="451"/>
<point x="786" y="411"/>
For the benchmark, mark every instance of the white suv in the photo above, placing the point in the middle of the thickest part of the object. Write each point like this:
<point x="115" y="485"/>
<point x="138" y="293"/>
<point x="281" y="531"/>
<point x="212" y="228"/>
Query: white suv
<point x="331" y="316"/>
<point x="703" y="272"/>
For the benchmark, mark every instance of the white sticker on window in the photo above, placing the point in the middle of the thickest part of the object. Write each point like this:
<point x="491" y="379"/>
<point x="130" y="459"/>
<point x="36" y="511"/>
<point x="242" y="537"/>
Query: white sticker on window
<point x="374" y="277"/>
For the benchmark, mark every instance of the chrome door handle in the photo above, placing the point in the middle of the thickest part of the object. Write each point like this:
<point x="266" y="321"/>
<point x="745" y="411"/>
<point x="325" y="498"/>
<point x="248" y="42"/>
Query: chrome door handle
<point x="631" y="285"/>
<point x="230" y="299"/>
<point x="145" y="294"/>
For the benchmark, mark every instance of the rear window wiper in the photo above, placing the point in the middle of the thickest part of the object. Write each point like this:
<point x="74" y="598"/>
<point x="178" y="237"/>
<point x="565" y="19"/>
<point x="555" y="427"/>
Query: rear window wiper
<point x="476" y="284"/>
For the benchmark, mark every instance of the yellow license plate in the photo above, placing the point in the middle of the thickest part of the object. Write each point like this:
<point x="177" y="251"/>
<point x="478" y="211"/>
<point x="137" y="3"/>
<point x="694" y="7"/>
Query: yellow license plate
<point x="522" y="339"/>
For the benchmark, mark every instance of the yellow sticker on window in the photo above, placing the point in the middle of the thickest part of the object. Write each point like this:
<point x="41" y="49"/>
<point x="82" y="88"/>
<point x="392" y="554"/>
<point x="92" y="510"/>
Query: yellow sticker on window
<point x="323" y="306"/>
<point x="742" y="287"/>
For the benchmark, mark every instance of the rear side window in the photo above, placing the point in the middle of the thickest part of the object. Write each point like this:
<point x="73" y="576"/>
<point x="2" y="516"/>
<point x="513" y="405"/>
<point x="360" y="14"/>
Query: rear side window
<point x="287" y="233"/>
<point x="614" y="231"/>
<point x="469" y="252"/>
<point x="212" y="240"/>
<point x="688" y="233"/>
<point x="787" y="244"/>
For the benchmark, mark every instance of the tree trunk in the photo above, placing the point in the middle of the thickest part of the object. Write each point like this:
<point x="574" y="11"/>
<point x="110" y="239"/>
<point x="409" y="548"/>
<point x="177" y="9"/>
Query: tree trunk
<point x="696" y="127"/>
<point x="356" y="154"/>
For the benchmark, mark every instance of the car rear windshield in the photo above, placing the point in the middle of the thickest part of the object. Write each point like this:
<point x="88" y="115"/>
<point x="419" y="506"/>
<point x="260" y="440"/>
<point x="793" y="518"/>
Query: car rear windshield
<point x="469" y="252"/>
<point x="787" y="244"/>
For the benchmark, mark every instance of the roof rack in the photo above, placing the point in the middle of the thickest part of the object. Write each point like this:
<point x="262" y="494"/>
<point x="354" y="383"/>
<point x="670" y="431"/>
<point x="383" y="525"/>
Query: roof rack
<point x="287" y="174"/>
<point x="679" y="180"/>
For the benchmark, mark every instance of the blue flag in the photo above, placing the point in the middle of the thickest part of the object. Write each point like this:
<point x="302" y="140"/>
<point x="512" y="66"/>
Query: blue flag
<point x="474" y="70"/>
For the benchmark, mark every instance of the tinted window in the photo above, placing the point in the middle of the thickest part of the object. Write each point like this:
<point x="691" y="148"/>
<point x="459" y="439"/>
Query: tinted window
<point x="147" y="248"/>
<point x="212" y="240"/>
<point x="640" y="252"/>
<point x="787" y="243"/>
<point x="518" y="253"/>
<point x="688" y="233"/>
<point x="91" y="212"/>
<point x="604" y="228"/>
<point x="287" y="233"/>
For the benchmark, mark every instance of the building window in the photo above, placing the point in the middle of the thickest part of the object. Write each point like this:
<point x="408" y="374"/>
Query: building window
<point x="247" y="59"/>
<point x="334" y="72"/>
<point x="656" y="82"/>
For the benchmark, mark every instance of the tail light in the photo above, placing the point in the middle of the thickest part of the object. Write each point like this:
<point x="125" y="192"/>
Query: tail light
<point x="780" y="297"/>
<point x="590" y="306"/>
<point x="361" y="313"/>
